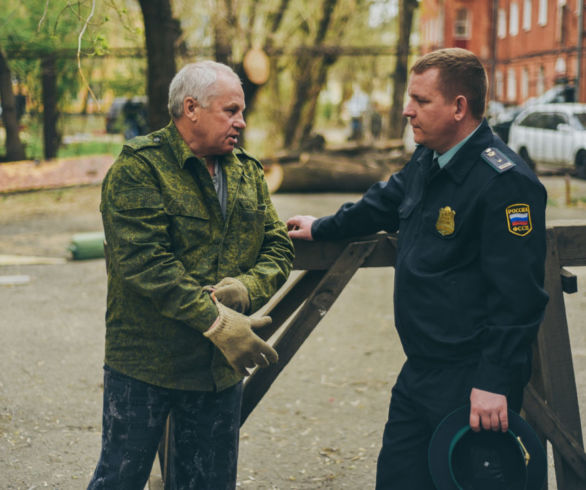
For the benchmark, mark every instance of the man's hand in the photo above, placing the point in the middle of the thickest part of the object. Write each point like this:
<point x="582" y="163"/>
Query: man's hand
<point x="231" y="293"/>
<point x="300" y="227"/>
<point x="232" y="334"/>
<point x="488" y="411"/>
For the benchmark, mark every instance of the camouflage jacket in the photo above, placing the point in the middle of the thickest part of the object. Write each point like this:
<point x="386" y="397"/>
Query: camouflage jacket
<point x="167" y="239"/>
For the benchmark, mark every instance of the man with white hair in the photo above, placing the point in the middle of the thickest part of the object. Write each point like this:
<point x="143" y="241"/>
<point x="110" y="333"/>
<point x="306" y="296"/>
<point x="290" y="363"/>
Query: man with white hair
<point x="194" y="246"/>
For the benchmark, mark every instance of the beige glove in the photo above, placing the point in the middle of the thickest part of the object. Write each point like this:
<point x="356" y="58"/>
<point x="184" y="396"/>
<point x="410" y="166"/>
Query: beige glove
<point x="232" y="334"/>
<point x="231" y="293"/>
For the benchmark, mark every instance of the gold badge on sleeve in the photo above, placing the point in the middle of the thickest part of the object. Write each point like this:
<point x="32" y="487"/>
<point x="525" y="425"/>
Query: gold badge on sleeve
<point x="446" y="223"/>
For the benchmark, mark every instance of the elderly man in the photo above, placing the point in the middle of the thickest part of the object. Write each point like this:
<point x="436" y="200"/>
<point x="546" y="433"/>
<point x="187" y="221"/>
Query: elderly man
<point x="469" y="273"/>
<point x="194" y="246"/>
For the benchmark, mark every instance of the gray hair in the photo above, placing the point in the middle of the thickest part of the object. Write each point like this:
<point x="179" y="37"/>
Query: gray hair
<point x="196" y="80"/>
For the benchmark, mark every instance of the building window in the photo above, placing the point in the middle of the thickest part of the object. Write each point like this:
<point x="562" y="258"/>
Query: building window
<point x="511" y="85"/>
<point x="525" y="84"/>
<point x="527" y="14"/>
<point x="541" y="81"/>
<point x="462" y="24"/>
<point x="498" y="85"/>
<point x="514" y="19"/>
<point x="542" y="17"/>
<point x="502" y="24"/>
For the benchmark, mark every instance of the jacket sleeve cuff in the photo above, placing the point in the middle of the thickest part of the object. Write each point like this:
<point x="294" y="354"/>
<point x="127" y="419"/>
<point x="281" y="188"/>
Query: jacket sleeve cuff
<point x="492" y="378"/>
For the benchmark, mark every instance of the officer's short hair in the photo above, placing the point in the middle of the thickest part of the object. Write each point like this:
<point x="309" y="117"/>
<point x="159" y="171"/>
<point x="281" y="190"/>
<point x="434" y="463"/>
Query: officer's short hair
<point x="196" y="80"/>
<point x="460" y="73"/>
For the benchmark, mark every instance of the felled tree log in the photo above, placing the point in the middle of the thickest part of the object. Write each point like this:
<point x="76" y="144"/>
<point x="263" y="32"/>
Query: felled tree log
<point x="331" y="171"/>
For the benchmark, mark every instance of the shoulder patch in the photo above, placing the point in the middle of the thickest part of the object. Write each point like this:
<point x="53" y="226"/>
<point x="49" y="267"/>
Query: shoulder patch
<point x="241" y="154"/>
<point x="519" y="219"/>
<point x="141" y="142"/>
<point x="497" y="159"/>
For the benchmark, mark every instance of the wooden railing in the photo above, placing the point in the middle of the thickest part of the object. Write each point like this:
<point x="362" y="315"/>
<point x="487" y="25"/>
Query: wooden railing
<point x="551" y="402"/>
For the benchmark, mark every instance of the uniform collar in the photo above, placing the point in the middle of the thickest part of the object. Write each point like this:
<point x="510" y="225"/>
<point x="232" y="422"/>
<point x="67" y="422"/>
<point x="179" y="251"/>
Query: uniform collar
<point x="467" y="153"/>
<point x="445" y="158"/>
<point x="183" y="153"/>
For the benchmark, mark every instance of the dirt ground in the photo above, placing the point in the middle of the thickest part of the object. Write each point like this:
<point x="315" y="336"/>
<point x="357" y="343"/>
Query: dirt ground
<point x="318" y="427"/>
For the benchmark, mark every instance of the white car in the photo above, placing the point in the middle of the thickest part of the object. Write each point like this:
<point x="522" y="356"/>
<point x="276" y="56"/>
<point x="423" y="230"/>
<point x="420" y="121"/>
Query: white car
<point x="551" y="135"/>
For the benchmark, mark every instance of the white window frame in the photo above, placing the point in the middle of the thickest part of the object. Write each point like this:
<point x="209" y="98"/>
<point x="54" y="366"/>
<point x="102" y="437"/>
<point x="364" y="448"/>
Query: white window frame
<point x="462" y="26"/>
<point x="527" y="10"/>
<point x="502" y="24"/>
<point x="514" y="19"/>
<point x="511" y="85"/>
<point x="524" y="83"/>
<point x="542" y="16"/>
<point x="541" y="80"/>
<point x="499" y="85"/>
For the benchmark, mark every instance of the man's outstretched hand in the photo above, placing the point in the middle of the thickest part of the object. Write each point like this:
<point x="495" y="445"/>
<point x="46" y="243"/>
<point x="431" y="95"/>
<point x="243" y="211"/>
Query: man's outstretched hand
<point x="300" y="227"/>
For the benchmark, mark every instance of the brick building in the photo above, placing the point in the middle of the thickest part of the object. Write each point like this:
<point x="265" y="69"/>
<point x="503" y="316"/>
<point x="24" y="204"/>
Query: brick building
<point x="527" y="46"/>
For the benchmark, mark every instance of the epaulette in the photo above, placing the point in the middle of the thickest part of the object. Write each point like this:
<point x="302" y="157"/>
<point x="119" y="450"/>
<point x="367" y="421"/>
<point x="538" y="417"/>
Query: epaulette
<point x="497" y="159"/>
<point x="141" y="142"/>
<point x="242" y="154"/>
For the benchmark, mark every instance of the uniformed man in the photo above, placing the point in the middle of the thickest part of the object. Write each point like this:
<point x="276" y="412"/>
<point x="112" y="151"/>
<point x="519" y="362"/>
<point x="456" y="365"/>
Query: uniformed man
<point x="469" y="273"/>
<point x="194" y="247"/>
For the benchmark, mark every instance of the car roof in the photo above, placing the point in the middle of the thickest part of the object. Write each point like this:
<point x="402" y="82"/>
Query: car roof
<point x="570" y="107"/>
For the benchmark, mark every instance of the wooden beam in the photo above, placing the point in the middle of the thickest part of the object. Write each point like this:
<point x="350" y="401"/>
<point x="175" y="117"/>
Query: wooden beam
<point x="540" y="414"/>
<point x="322" y="255"/>
<point x="571" y="244"/>
<point x="554" y="351"/>
<point x="314" y="309"/>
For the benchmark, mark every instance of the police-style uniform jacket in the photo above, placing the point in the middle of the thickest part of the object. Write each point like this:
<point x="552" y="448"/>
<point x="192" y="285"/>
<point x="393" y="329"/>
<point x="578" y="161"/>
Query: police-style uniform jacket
<point x="167" y="238"/>
<point x="470" y="262"/>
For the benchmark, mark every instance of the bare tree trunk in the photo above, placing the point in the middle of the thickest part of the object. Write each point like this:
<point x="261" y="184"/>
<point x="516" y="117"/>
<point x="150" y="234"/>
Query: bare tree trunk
<point x="161" y="32"/>
<point x="396" y="119"/>
<point x="14" y="147"/>
<point x="51" y="135"/>
<point x="310" y="75"/>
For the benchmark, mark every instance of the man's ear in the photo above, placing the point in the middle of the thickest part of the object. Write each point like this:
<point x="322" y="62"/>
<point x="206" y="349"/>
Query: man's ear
<point x="460" y="107"/>
<point x="191" y="108"/>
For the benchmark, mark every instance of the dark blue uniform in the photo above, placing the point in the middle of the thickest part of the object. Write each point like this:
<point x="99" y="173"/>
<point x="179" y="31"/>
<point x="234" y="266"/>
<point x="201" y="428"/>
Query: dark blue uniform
<point x="468" y="295"/>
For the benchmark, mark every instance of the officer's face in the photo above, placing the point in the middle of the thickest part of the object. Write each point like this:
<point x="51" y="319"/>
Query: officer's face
<point x="219" y="124"/>
<point x="430" y="114"/>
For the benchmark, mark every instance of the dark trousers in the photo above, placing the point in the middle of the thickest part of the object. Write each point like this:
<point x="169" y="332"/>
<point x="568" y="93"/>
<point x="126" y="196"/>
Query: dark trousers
<point x="420" y="399"/>
<point x="204" y="439"/>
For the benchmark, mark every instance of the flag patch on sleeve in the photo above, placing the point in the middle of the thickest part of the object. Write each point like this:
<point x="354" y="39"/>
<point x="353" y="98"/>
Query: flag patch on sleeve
<point x="519" y="219"/>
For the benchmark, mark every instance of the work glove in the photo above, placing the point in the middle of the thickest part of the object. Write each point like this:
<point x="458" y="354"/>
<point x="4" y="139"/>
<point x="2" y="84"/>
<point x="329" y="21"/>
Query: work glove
<point x="232" y="334"/>
<point x="231" y="293"/>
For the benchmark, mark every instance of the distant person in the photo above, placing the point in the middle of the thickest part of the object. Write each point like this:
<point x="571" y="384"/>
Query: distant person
<point x="469" y="272"/>
<point x="194" y="246"/>
<point x="357" y="106"/>
<point x="135" y="119"/>
<point x="376" y="123"/>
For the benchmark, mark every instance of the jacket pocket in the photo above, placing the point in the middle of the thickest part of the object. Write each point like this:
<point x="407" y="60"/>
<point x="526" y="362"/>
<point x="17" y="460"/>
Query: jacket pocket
<point x="190" y="225"/>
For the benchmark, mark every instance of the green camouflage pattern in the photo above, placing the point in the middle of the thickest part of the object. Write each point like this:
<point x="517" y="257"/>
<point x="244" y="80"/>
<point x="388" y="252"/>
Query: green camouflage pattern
<point x="167" y="239"/>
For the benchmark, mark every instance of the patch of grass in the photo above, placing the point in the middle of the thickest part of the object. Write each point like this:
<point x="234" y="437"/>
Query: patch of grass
<point x="90" y="148"/>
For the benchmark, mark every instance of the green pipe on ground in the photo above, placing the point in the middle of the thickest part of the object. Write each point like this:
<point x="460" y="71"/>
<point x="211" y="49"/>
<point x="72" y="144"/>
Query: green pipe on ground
<point x="86" y="246"/>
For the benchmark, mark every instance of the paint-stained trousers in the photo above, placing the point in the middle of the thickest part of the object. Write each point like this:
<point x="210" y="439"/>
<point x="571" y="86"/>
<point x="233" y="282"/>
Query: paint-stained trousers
<point x="420" y="399"/>
<point x="204" y="437"/>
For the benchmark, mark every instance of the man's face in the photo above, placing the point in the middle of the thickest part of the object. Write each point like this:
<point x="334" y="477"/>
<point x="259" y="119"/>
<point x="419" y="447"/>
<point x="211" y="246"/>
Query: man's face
<point x="430" y="114"/>
<point x="219" y="124"/>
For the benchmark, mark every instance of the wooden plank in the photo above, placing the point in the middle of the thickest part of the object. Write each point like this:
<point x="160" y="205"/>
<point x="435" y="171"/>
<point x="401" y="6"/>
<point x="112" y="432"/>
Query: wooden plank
<point x="571" y="244"/>
<point x="289" y="301"/>
<point x="321" y="255"/>
<point x="314" y="309"/>
<point x="540" y="414"/>
<point x="569" y="281"/>
<point x="555" y="359"/>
